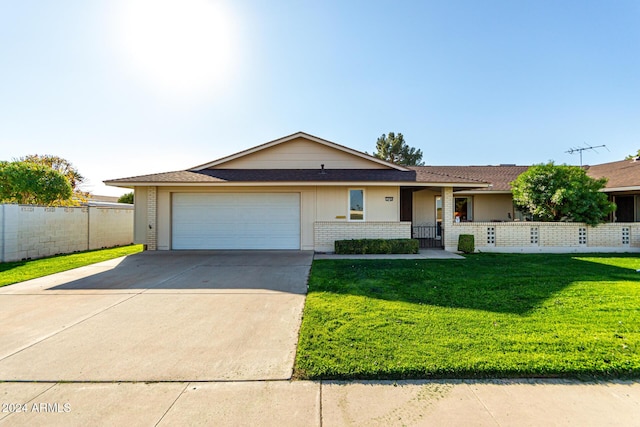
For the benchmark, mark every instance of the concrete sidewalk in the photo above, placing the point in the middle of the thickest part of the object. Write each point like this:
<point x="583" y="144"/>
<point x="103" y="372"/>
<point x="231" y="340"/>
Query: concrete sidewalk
<point x="423" y="254"/>
<point x="306" y="403"/>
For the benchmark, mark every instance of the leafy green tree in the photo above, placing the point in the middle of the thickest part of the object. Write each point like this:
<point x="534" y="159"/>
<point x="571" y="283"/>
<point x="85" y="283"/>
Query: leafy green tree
<point x="64" y="167"/>
<point x="552" y="192"/>
<point x="393" y="148"/>
<point x="126" y="198"/>
<point x="632" y="156"/>
<point x="30" y="183"/>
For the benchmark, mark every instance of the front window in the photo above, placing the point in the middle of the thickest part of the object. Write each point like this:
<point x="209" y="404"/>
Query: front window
<point x="464" y="210"/>
<point x="356" y="205"/>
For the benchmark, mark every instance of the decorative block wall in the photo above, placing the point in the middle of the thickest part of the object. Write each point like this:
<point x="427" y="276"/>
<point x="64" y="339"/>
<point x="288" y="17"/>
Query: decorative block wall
<point x="546" y="236"/>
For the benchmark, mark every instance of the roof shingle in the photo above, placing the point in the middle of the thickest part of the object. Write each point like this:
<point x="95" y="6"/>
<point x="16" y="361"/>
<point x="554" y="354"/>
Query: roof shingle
<point x="625" y="173"/>
<point x="498" y="176"/>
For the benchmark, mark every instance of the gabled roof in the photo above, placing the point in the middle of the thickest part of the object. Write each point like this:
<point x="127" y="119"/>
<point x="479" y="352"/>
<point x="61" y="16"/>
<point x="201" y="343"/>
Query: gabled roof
<point x="622" y="175"/>
<point x="222" y="161"/>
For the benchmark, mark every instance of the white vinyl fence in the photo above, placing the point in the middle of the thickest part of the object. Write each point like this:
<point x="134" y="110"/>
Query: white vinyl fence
<point x="29" y="232"/>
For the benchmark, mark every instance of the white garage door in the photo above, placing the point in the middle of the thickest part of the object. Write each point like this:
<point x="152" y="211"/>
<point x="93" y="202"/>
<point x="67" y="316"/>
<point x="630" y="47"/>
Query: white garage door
<point x="236" y="221"/>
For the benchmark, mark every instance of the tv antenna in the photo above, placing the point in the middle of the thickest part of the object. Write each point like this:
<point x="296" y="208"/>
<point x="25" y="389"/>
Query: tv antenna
<point x="581" y="149"/>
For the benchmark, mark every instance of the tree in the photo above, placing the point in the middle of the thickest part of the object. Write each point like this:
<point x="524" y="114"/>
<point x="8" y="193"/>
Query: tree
<point x="126" y="198"/>
<point x="552" y="192"/>
<point x="393" y="148"/>
<point x="64" y="167"/>
<point x="30" y="183"/>
<point x="632" y="156"/>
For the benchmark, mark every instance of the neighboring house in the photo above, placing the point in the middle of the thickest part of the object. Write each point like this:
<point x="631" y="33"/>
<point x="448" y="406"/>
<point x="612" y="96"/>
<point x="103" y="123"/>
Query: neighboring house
<point x="304" y="192"/>
<point x="623" y="187"/>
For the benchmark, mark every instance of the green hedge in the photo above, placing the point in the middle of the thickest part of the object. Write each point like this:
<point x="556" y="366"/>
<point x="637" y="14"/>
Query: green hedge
<point x="466" y="243"/>
<point x="377" y="246"/>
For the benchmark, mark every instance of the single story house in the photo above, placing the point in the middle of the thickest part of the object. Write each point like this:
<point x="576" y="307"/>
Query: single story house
<point x="304" y="192"/>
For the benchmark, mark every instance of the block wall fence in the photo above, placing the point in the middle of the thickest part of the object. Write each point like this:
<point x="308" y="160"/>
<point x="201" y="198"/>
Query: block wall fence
<point x="37" y="231"/>
<point x="544" y="237"/>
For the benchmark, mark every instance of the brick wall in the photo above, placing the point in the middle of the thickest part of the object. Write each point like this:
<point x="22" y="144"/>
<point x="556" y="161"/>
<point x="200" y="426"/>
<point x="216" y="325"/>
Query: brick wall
<point x="36" y="231"/>
<point x="152" y="218"/>
<point x="546" y="236"/>
<point x="327" y="232"/>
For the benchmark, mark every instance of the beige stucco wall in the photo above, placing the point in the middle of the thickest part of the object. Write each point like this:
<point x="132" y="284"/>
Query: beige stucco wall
<point x="424" y="207"/>
<point x="333" y="203"/>
<point x="140" y="221"/>
<point x="492" y="207"/>
<point x="300" y="153"/>
<point x="307" y="209"/>
<point x="316" y="204"/>
<point x="486" y="207"/>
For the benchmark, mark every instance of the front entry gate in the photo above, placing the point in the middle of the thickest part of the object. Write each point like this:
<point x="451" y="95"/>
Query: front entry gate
<point x="428" y="236"/>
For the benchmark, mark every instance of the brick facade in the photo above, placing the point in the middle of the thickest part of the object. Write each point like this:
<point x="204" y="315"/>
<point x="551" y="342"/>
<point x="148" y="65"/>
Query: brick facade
<point x="327" y="232"/>
<point x="152" y="218"/>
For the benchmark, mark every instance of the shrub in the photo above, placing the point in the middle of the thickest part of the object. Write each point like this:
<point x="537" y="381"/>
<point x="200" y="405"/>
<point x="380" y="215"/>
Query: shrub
<point x="126" y="198"/>
<point x="377" y="246"/>
<point x="466" y="243"/>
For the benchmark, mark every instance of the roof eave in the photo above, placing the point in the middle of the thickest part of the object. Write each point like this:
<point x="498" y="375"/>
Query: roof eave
<point x="477" y="191"/>
<point x="132" y="184"/>
<point x="616" y="189"/>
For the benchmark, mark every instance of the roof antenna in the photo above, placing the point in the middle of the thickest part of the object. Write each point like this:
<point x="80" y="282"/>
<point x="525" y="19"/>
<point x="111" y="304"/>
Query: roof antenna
<point x="322" y="171"/>
<point x="581" y="149"/>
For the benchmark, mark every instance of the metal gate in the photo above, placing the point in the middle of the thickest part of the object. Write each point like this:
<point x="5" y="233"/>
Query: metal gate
<point x="428" y="236"/>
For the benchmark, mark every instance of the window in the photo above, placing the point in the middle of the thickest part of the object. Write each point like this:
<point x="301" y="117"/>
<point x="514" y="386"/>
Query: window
<point x="463" y="211"/>
<point x="438" y="208"/>
<point x="356" y="205"/>
<point x="438" y="217"/>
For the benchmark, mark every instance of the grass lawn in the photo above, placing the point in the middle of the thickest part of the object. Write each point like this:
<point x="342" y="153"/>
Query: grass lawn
<point x="14" y="272"/>
<point x="490" y="315"/>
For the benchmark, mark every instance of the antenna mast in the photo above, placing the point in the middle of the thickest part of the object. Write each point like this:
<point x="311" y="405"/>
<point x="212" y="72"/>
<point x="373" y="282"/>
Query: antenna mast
<point x="581" y="149"/>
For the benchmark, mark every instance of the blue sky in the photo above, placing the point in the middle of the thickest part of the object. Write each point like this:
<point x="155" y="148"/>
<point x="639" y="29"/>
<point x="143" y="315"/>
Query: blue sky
<point x="124" y="88"/>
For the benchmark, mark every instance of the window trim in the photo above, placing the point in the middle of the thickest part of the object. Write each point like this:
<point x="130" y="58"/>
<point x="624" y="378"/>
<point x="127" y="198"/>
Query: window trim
<point x="364" y="205"/>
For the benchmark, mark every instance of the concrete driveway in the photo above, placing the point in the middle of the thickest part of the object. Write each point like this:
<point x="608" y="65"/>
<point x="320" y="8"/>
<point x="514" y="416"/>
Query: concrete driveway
<point x="158" y="316"/>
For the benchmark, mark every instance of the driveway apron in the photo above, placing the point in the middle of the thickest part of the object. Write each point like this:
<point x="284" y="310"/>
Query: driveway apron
<point x="158" y="316"/>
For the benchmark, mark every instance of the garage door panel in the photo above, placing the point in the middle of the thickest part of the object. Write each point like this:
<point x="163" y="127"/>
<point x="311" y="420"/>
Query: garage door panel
<point x="236" y="221"/>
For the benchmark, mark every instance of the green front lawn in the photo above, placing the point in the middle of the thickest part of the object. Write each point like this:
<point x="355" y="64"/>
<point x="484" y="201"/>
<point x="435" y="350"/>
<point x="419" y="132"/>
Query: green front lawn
<point x="14" y="272"/>
<point x="490" y="315"/>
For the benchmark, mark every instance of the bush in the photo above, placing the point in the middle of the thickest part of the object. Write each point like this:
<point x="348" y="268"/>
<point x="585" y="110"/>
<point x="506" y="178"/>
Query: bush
<point x="126" y="198"/>
<point x="466" y="243"/>
<point x="377" y="246"/>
